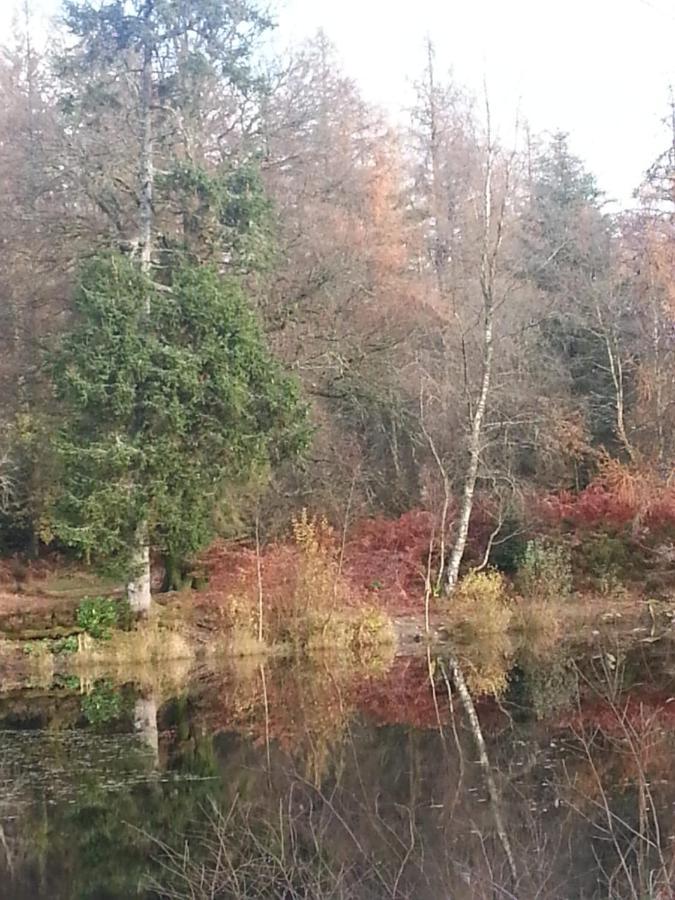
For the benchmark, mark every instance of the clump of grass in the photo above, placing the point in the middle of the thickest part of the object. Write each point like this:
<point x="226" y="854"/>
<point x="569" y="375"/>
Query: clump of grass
<point x="245" y="642"/>
<point x="239" y="617"/>
<point x="372" y="629"/>
<point x="41" y="662"/>
<point x="536" y="622"/>
<point x="480" y="606"/>
<point x="373" y="642"/>
<point x="149" y="643"/>
<point x="318" y="633"/>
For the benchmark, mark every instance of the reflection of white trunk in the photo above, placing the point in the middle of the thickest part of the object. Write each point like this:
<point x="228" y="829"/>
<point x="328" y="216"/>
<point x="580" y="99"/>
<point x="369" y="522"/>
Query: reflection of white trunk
<point x="483" y="759"/>
<point x="145" y="724"/>
<point x="8" y="853"/>
<point x="138" y="589"/>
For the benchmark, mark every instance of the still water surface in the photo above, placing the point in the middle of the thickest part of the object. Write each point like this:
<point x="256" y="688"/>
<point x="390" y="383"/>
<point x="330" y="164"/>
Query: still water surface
<point x="348" y="779"/>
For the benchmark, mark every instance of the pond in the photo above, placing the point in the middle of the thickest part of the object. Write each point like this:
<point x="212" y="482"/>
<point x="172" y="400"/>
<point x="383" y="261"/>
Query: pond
<point x="348" y="778"/>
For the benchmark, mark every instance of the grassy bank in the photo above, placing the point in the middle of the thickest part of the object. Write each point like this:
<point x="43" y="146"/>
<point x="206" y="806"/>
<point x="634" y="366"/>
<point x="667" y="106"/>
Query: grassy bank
<point x="315" y="593"/>
<point x="101" y="637"/>
<point x="484" y="625"/>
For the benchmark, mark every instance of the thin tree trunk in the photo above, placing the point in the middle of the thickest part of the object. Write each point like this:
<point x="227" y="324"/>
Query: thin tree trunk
<point x="147" y="175"/>
<point x="616" y="371"/>
<point x="487" y="278"/>
<point x="439" y="201"/>
<point x="459" y="545"/>
<point x="658" y="381"/>
<point x="258" y="569"/>
<point x="138" y="589"/>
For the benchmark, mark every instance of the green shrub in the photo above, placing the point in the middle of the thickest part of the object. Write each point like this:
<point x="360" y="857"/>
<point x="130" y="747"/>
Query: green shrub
<point x="606" y="559"/>
<point x="67" y="682"/>
<point x="103" y="704"/>
<point x="99" y="616"/>
<point x="65" y="645"/>
<point x="545" y="570"/>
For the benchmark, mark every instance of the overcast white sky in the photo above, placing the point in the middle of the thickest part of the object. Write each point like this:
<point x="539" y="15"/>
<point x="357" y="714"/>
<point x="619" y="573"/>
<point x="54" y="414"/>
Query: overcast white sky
<point x="600" y="69"/>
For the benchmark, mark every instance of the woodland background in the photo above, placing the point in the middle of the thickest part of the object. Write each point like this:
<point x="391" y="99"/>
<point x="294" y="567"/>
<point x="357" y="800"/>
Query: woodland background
<point x="362" y="259"/>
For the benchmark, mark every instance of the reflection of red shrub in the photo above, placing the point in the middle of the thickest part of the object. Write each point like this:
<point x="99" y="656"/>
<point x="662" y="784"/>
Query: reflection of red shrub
<point x="404" y="697"/>
<point x="635" y="713"/>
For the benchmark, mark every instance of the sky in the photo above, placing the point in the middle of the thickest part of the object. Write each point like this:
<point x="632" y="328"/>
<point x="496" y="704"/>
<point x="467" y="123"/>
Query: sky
<point x="598" y="69"/>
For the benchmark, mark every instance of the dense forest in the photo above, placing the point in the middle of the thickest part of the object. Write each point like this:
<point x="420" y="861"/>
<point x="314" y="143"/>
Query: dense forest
<point x="232" y="290"/>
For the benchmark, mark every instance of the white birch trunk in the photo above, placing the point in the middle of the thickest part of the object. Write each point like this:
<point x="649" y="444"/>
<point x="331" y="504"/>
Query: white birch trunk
<point x="138" y="589"/>
<point x="475" y="440"/>
<point x="147" y="174"/>
<point x="616" y="371"/>
<point x="487" y="279"/>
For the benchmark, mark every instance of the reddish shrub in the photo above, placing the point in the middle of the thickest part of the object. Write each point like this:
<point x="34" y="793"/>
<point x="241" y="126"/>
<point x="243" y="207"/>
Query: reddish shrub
<point x="299" y="582"/>
<point x="384" y="561"/>
<point x="618" y="497"/>
<point x="387" y="558"/>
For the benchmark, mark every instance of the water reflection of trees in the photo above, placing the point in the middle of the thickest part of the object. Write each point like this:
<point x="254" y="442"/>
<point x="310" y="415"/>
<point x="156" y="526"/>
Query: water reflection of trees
<point x="330" y="780"/>
<point x="402" y="812"/>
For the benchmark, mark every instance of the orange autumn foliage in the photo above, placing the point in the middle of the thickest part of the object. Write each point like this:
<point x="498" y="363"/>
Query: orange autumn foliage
<point x="620" y="495"/>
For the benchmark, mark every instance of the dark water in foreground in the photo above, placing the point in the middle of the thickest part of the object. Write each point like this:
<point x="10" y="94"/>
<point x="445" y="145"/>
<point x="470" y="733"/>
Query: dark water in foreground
<point x="347" y="779"/>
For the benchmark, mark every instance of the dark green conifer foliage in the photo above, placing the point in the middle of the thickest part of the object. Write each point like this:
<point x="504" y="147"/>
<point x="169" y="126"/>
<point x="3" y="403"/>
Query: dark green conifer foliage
<point x="162" y="409"/>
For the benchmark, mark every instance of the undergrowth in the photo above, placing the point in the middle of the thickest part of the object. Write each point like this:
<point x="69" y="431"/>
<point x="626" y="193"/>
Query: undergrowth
<point x="544" y="571"/>
<point x="479" y="605"/>
<point x="306" y="601"/>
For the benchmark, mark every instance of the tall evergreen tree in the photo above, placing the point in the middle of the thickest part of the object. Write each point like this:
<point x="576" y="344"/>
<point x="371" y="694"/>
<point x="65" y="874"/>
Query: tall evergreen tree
<point x="567" y="254"/>
<point x="168" y="396"/>
<point x="144" y="70"/>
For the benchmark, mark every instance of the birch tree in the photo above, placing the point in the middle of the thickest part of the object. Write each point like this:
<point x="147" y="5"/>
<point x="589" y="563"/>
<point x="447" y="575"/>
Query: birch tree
<point x="492" y="221"/>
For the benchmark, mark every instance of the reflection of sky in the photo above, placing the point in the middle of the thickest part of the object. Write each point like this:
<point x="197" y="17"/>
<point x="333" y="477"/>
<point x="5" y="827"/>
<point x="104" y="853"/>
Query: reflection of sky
<point x="599" y="69"/>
